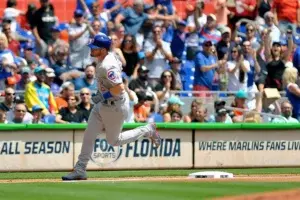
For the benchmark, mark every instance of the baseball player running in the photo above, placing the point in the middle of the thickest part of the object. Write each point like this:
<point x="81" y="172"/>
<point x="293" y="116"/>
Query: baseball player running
<point x="110" y="110"/>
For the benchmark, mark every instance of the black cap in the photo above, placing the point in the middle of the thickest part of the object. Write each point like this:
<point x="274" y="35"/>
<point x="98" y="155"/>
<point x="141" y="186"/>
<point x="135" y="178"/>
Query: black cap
<point x="219" y="103"/>
<point x="143" y="69"/>
<point x="222" y="111"/>
<point x="19" y="99"/>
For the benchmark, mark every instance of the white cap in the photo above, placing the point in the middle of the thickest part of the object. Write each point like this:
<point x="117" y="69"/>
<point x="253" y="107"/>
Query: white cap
<point x="49" y="72"/>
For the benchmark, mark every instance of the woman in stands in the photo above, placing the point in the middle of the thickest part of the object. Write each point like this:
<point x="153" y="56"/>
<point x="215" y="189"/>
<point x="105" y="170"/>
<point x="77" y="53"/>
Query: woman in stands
<point x="166" y="84"/>
<point x="276" y="59"/>
<point x="192" y="115"/>
<point x="115" y="48"/>
<point x="130" y="52"/>
<point x="237" y="67"/>
<point x="290" y="77"/>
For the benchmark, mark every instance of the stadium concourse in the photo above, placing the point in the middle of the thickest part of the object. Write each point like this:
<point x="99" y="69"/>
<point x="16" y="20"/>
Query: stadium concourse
<point x="196" y="61"/>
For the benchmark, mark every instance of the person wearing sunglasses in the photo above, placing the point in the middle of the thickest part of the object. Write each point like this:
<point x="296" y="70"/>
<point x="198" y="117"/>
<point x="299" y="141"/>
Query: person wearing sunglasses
<point x="8" y="102"/>
<point x="85" y="105"/>
<point x="19" y="114"/>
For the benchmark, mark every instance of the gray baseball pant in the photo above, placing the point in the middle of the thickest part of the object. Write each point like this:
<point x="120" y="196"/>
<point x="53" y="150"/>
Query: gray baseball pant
<point x="110" y="118"/>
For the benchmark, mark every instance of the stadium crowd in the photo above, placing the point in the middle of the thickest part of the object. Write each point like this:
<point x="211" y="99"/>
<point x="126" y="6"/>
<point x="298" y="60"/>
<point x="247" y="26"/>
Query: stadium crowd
<point x="248" y="52"/>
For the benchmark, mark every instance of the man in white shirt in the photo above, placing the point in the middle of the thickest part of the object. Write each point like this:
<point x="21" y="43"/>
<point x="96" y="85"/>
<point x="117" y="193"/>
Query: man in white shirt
<point x="158" y="53"/>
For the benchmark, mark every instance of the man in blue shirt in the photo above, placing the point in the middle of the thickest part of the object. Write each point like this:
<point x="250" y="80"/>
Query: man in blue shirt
<point x="86" y="81"/>
<point x="205" y="69"/>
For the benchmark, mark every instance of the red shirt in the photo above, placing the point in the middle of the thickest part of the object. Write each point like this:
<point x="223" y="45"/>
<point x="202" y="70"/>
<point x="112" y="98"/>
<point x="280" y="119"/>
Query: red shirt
<point x="14" y="46"/>
<point x="286" y="10"/>
<point x="240" y="11"/>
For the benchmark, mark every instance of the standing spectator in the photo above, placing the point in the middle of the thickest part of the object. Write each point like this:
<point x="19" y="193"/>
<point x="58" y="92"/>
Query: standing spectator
<point x="85" y="105"/>
<point x="264" y="6"/>
<point x="133" y="18"/>
<point x="19" y="115"/>
<point x="11" y="12"/>
<point x="275" y="32"/>
<point x="225" y="44"/>
<point x="49" y="81"/>
<point x="67" y="90"/>
<point x="38" y="93"/>
<point x="44" y="20"/>
<point x="179" y="39"/>
<point x="276" y="59"/>
<point x="286" y="14"/>
<point x="8" y="102"/>
<point x="13" y="44"/>
<point x="29" y="16"/>
<point x="206" y="65"/>
<point x="56" y="41"/>
<point x="120" y="32"/>
<point x="290" y="77"/>
<point x="166" y="84"/>
<point x="175" y="67"/>
<point x="238" y="68"/>
<point x="209" y="31"/>
<point x="222" y="12"/>
<point x="79" y="34"/>
<point x="115" y="48"/>
<point x="157" y="52"/>
<point x="70" y="114"/>
<point x="286" y="112"/>
<point x="129" y="50"/>
<point x="244" y="9"/>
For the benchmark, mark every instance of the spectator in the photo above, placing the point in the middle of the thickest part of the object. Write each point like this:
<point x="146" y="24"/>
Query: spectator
<point x="270" y="24"/>
<point x="37" y="114"/>
<point x="206" y="66"/>
<point x="136" y="14"/>
<point x="219" y="107"/>
<point x="173" y="104"/>
<point x="201" y="114"/>
<point x="33" y="60"/>
<point x="50" y="75"/>
<point x="130" y="52"/>
<point x="67" y="90"/>
<point x="3" y="117"/>
<point x="9" y="98"/>
<point x="19" y="115"/>
<point x="290" y="77"/>
<point x="276" y="60"/>
<point x="79" y="34"/>
<point x="115" y="47"/>
<point x="244" y="9"/>
<point x="44" y="20"/>
<point x="29" y="20"/>
<point x="238" y="69"/>
<point x="97" y="28"/>
<point x="191" y="116"/>
<point x="209" y="31"/>
<point x="38" y="93"/>
<point x="120" y="32"/>
<point x="141" y="112"/>
<point x="222" y="12"/>
<point x="85" y="105"/>
<point x="176" y="116"/>
<point x="166" y="84"/>
<point x="70" y="114"/>
<point x="175" y="65"/>
<point x="157" y="52"/>
<point x="296" y="58"/>
<point x="178" y="40"/>
<point x="11" y="13"/>
<point x="87" y="80"/>
<point x="286" y="110"/>
<point x="25" y="78"/>
<point x="198" y="15"/>
<point x="264" y="6"/>
<point x="239" y="102"/>
<point x="13" y="44"/>
<point x="56" y="41"/>
<point x="133" y="99"/>
<point x="286" y="14"/>
<point x="141" y="82"/>
<point x="225" y="44"/>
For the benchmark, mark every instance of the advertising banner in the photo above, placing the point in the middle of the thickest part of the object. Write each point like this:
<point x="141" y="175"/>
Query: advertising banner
<point x="174" y="152"/>
<point x="36" y="150"/>
<point x="247" y="148"/>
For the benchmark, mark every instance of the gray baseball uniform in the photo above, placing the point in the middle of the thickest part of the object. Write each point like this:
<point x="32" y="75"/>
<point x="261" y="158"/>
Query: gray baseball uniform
<point x="109" y="115"/>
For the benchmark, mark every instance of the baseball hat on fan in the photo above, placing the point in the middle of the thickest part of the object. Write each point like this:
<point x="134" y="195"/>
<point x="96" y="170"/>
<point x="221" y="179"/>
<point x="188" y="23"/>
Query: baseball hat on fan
<point x="143" y="69"/>
<point x="100" y="41"/>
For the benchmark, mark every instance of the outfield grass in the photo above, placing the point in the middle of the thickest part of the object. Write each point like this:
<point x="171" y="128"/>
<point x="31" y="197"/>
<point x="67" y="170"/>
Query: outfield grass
<point x="134" y="190"/>
<point x="143" y="173"/>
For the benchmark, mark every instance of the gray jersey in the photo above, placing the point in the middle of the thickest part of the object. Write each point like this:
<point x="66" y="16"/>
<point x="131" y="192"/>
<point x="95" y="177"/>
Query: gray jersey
<point x="109" y="73"/>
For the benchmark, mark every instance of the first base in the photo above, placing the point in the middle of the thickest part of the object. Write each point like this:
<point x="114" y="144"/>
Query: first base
<point x="211" y="174"/>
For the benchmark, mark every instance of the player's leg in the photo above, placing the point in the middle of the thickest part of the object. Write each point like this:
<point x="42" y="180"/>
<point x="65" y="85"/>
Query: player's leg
<point x="94" y="127"/>
<point x="113" y="117"/>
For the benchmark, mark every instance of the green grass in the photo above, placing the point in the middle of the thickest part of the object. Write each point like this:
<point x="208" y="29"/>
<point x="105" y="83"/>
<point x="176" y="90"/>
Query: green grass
<point x="142" y="173"/>
<point x="134" y="190"/>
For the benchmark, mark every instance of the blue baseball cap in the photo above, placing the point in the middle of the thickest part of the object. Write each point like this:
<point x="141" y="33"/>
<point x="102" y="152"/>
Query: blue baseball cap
<point x="78" y="13"/>
<point x="55" y="29"/>
<point x="175" y="100"/>
<point x="28" y="46"/>
<point x="241" y="94"/>
<point x="181" y="22"/>
<point x="100" y="41"/>
<point x="38" y="70"/>
<point x="36" y="108"/>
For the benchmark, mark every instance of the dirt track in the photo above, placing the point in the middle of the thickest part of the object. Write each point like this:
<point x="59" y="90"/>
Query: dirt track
<point x="278" y="195"/>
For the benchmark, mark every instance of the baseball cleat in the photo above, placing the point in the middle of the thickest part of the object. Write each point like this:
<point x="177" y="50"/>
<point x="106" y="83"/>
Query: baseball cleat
<point x="75" y="175"/>
<point x="154" y="136"/>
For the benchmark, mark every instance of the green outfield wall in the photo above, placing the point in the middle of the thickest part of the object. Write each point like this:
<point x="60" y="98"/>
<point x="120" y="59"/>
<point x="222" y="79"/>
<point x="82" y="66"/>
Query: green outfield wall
<point x="54" y="147"/>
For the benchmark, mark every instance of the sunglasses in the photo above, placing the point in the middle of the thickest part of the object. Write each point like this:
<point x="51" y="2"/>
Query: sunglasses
<point x="82" y="94"/>
<point x="9" y="94"/>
